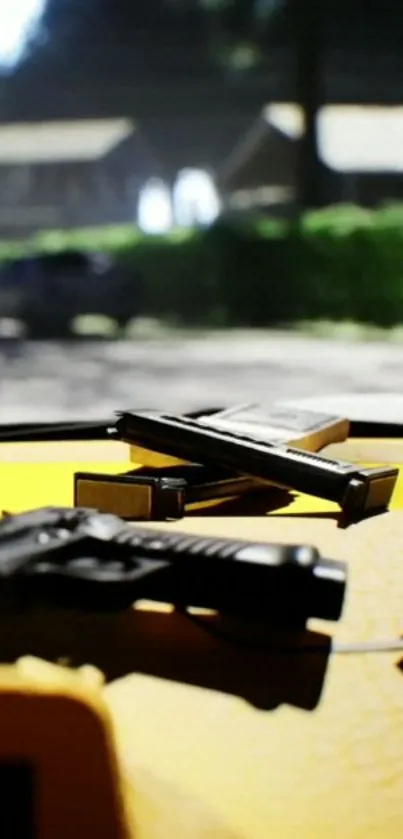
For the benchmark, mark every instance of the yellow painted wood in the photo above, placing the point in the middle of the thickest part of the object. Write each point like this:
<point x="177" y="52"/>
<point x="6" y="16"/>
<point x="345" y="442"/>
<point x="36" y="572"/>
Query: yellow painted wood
<point x="273" y="745"/>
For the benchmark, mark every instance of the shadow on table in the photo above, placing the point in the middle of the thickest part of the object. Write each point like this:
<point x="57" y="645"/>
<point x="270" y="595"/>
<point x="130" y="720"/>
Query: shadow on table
<point x="265" y="666"/>
<point x="253" y="504"/>
<point x="264" y="502"/>
<point x="343" y="520"/>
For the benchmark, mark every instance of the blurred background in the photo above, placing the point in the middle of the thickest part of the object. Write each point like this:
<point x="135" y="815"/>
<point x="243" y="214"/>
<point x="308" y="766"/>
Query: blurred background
<point x="201" y="201"/>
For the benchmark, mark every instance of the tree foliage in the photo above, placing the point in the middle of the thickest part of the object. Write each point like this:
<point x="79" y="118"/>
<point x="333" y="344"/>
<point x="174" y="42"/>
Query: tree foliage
<point x="239" y="30"/>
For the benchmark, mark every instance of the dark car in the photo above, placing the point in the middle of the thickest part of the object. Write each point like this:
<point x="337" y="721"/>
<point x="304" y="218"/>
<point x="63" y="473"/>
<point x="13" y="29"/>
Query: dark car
<point x="47" y="292"/>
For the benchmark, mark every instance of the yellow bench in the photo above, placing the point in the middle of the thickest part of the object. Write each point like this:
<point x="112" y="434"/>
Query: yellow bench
<point x="218" y="739"/>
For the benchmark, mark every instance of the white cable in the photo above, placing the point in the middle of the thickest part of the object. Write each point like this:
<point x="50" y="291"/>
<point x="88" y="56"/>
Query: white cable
<point x="382" y="646"/>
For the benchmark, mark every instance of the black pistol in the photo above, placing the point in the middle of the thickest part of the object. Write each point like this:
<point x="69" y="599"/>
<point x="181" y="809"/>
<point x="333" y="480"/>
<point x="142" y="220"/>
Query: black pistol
<point x="81" y="558"/>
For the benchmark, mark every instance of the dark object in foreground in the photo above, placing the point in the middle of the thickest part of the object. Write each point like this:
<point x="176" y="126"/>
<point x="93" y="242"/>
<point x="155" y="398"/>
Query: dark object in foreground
<point x="73" y="430"/>
<point x="358" y="491"/>
<point x="82" y="558"/>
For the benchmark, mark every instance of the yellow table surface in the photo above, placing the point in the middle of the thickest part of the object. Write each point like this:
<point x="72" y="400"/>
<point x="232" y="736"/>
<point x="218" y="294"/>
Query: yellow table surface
<point x="274" y="744"/>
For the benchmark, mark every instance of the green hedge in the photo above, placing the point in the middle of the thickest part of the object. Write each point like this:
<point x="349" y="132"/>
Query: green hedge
<point x="342" y="263"/>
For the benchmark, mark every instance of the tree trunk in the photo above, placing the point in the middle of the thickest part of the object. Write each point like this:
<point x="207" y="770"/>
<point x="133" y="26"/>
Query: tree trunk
<point x="306" y="15"/>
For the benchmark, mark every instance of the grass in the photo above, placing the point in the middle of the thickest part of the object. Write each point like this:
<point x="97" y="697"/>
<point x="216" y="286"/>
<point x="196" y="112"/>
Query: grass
<point x="349" y="331"/>
<point x="143" y="329"/>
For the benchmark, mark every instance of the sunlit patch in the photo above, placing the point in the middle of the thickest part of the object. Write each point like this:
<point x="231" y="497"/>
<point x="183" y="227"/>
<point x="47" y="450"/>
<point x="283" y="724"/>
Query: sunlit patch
<point x="154" y="212"/>
<point x="18" y="20"/>
<point x="195" y="198"/>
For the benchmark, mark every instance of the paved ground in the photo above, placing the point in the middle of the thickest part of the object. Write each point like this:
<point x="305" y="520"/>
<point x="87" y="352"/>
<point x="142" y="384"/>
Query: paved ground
<point x="92" y="379"/>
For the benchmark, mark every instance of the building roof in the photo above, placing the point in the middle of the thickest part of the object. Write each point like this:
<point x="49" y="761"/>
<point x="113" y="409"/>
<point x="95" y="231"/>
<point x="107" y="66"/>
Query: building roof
<point x="264" y="157"/>
<point x="355" y="139"/>
<point x="350" y="138"/>
<point x="60" y="142"/>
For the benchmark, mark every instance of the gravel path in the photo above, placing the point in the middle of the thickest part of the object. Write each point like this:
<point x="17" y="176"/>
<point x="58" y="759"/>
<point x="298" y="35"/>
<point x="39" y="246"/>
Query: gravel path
<point x="93" y="378"/>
